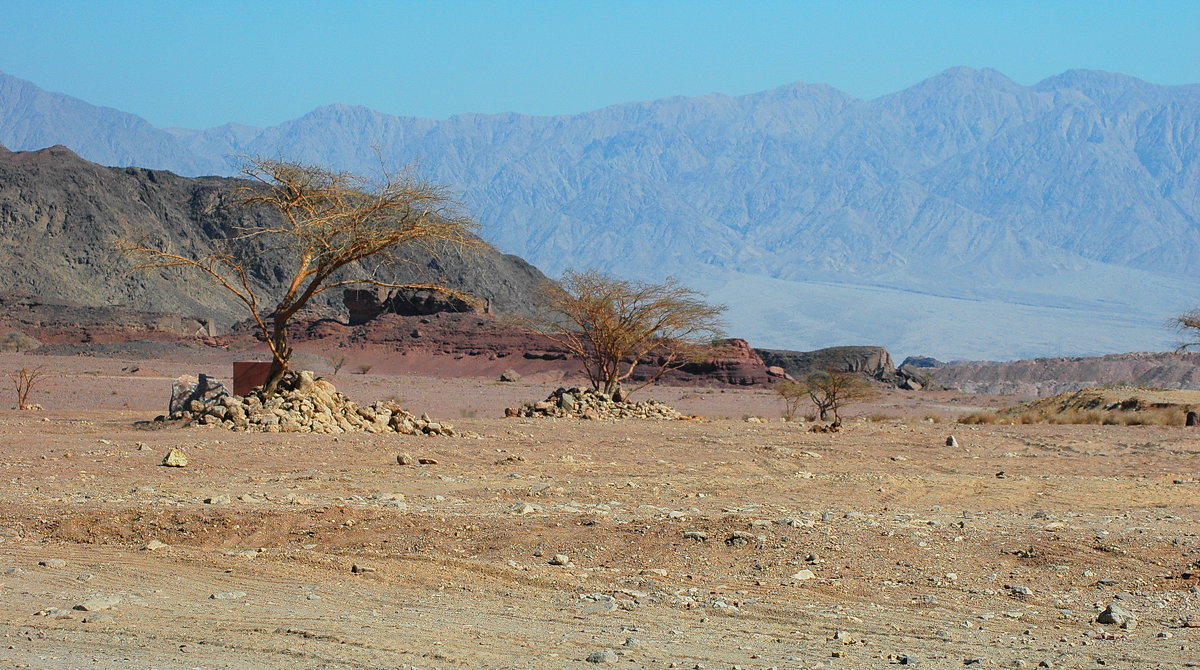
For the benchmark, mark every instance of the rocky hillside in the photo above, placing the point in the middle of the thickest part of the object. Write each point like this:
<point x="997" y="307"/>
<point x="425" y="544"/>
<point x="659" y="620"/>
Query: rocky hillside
<point x="61" y="219"/>
<point x="1052" y="376"/>
<point x="928" y="220"/>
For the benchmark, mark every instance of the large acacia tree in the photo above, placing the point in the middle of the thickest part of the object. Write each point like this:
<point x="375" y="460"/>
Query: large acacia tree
<point x="330" y="225"/>
<point x="614" y="326"/>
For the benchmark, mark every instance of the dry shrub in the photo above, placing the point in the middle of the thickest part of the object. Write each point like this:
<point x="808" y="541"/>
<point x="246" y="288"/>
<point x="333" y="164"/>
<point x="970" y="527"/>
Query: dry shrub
<point x="881" y="418"/>
<point x="1093" y="417"/>
<point x="934" y="418"/>
<point x="17" y="341"/>
<point x="987" y="418"/>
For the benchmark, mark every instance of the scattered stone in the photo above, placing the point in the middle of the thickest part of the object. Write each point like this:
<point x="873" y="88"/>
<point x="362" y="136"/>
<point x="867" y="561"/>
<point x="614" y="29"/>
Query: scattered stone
<point x="405" y="459"/>
<point x="604" y="656"/>
<point x="98" y="604"/>
<point x="804" y="575"/>
<point x="951" y="442"/>
<point x="155" y="545"/>
<point x="1017" y="589"/>
<point x="175" y="458"/>
<point x="228" y="595"/>
<point x="55" y="613"/>
<point x="739" y="537"/>
<point x="654" y="572"/>
<point x="560" y="559"/>
<point x="1117" y="615"/>
<point x="581" y="403"/>
<point x="361" y="569"/>
<point x="98" y="618"/>
<point x="695" y="535"/>
<point x="243" y="553"/>
<point x="427" y="461"/>
<point x="510" y="375"/>
<point x="53" y="563"/>
<point x="217" y="500"/>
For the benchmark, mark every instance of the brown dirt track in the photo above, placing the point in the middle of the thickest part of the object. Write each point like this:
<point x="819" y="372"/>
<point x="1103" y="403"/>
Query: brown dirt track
<point x="1083" y="516"/>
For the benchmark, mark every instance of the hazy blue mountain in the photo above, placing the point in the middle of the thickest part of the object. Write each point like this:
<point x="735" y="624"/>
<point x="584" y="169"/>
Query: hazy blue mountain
<point x="966" y="216"/>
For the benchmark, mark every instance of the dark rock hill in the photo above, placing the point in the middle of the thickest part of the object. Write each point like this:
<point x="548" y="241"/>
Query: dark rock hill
<point x="61" y="219"/>
<point x="1051" y="376"/>
<point x="872" y="361"/>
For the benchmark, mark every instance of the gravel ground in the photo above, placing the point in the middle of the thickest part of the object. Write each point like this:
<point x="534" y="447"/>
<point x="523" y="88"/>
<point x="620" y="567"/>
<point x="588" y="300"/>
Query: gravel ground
<point x="714" y="543"/>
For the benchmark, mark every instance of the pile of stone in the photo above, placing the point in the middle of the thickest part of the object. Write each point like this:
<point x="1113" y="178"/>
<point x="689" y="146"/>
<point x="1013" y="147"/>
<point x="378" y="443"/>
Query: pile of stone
<point x="300" y="404"/>
<point x="581" y="403"/>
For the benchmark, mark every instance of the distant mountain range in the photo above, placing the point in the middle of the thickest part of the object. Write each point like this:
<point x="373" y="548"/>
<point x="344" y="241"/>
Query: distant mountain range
<point x="964" y="217"/>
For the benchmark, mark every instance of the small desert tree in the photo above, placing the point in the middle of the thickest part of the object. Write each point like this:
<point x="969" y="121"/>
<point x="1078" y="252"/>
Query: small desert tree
<point x="792" y="394"/>
<point x="830" y="391"/>
<point x="327" y="220"/>
<point x="614" y="325"/>
<point x="25" y="379"/>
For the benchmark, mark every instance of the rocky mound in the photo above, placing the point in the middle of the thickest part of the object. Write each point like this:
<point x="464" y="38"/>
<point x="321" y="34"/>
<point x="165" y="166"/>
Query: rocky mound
<point x="1112" y="398"/>
<point x="581" y="403"/>
<point x="302" y="404"/>
<point x="1110" y="405"/>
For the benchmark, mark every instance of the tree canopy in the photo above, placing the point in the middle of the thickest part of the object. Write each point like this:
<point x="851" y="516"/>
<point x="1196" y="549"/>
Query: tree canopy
<point x="329" y="223"/>
<point x="614" y="326"/>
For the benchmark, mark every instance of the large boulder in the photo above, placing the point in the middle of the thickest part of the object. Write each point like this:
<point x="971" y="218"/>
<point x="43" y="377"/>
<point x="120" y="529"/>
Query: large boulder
<point x="874" y="362"/>
<point x="366" y="304"/>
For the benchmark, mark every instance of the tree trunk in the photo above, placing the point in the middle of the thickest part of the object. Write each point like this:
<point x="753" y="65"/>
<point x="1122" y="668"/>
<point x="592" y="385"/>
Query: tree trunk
<point x="283" y="355"/>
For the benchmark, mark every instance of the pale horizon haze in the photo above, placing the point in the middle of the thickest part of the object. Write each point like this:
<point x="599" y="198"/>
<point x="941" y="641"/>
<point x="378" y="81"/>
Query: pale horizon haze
<point x="198" y="65"/>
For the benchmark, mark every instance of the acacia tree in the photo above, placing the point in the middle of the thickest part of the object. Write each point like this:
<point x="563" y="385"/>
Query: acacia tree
<point x="791" y="393"/>
<point x="830" y="390"/>
<point x="24" y="380"/>
<point x="614" y="325"/>
<point x="327" y="220"/>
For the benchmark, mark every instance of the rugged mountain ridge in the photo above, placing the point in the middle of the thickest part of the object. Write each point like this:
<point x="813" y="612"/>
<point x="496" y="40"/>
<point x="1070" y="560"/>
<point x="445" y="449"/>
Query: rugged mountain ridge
<point x="1050" y="376"/>
<point x="965" y="188"/>
<point x="61" y="219"/>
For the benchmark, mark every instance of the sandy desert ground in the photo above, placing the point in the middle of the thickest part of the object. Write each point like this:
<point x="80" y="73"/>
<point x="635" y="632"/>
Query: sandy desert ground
<point x="713" y="543"/>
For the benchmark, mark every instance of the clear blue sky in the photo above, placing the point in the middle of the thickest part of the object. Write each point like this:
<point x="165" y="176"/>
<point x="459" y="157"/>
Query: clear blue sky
<point x="203" y="63"/>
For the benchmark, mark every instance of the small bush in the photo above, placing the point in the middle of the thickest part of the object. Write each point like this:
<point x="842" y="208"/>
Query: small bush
<point x="364" y="368"/>
<point x="985" y="418"/>
<point x="18" y="342"/>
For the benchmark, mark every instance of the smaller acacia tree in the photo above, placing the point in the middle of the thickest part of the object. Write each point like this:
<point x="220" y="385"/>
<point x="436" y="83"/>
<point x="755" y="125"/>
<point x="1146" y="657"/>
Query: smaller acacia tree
<point x="25" y="379"/>
<point x="830" y="391"/>
<point x="613" y="325"/>
<point x="792" y="394"/>
<point x="326" y="221"/>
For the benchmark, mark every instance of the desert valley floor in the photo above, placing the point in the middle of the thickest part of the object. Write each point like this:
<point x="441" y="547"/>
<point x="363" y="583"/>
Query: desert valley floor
<point x="711" y="543"/>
